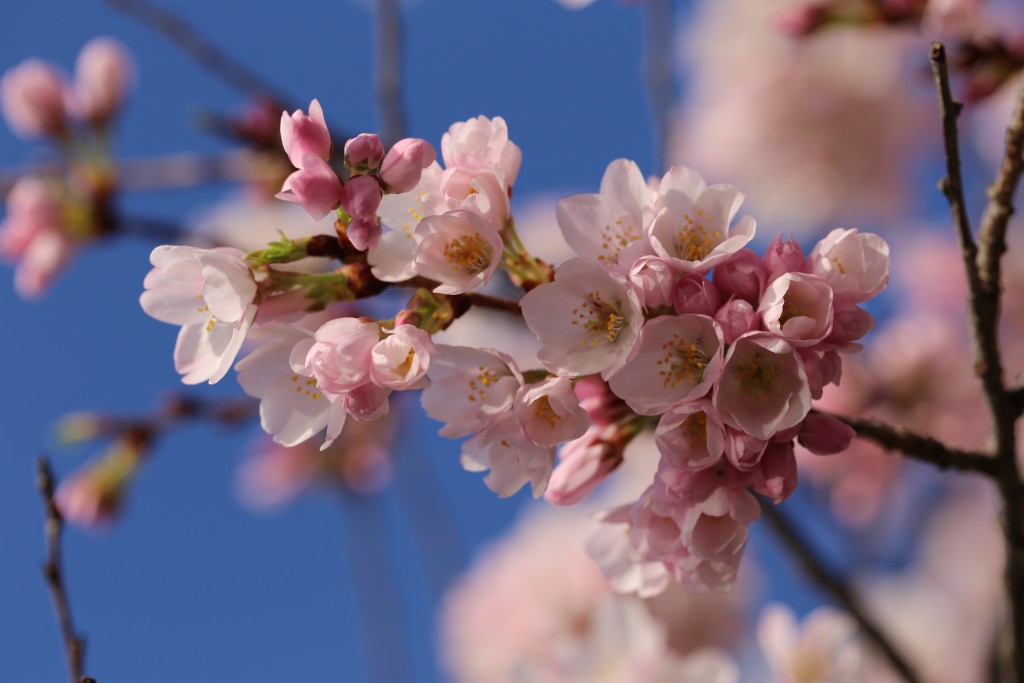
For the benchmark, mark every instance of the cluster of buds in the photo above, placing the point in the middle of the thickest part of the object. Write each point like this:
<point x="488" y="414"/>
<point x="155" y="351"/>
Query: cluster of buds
<point x="318" y="188"/>
<point x="663" y="320"/>
<point x="47" y="217"/>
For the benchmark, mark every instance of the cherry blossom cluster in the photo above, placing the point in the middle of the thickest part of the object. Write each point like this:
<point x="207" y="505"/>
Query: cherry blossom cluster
<point x="48" y="216"/>
<point x="664" y="319"/>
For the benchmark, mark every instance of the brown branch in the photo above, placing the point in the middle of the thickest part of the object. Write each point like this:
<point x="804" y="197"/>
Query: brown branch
<point x="918" y="447"/>
<point x="496" y="303"/>
<point x="836" y="588"/>
<point x="984" y="280"/>
<point x="53" y="572"/>
<point x="388" y="76"/>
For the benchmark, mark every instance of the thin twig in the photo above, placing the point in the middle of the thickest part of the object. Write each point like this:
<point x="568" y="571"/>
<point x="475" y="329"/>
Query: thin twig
<point x="388" y="44"/>
<point x="659" y="62"/>
<point x="836" y="588"/>
<point x="918" y="447"/>
<point x="53" y="572"/>
<point x="201" y="49"/>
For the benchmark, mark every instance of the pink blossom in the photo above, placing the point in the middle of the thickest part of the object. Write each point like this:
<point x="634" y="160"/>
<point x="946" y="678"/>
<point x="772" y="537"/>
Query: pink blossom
<point x="823" y="434"/>
<point x="583" y="464"/>
<point x="404" y="163"/>
<point x="690" y="436"/>
<point x="459" y="249"/>
<point x="692" y="226"/>
<point x="743" y="451"/>
<point x="736" y="318"/>
<point x="103" y="76"/>
<point x="549" y="412"/>
<point x="854" y="264"/>
<point x="293" y="408"/>
<point x="783" y="256"/>
<point x="478" y="191"/>
<point x="482" y="143"/>
<point x="696" y="294"/>
<point x="609" y="227"/>
<point x="340" y="357"/>
<point x="360" y="197"/>
<point x="32" y="235"/>
<point x="797" y="308"/>
<point x="743" y="276"/>
<point x="90" y="497"/>
<point x="763" y="387"/>
<point x="32" y="99"/>
<point x="212" y="295"/>
<point x="304" y="136"/>
<point x="364" y="152"/>
<point x="315" y="186"/>
<point x="715" y="529"/>
<point x="586" y="320"/>
<point x="654" y="280"/>
<point x="849" y="323"/>
<point x="677" y="359"/>
<point x="513" y="460"/>
<point x="400" y="361"/>
<point x="469" y="388"/>
<point x="821" y="650"/>
<point x="776" y="476"/>
<point x="612" y="548"/>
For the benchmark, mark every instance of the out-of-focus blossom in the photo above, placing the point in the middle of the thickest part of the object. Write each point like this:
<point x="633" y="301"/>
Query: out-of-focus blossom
<point x="834" y="109"/>
<point x="32" y="98"/>
<point x="33" y="236"/>
<point x="103" y="76"/>
<point x="822" y="649"/>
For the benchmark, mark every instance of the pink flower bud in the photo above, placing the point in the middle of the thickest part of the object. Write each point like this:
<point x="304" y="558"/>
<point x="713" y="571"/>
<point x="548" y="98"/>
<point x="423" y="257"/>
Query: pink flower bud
<point x="783" y="256"/>
<point x="654" y="279"/>
<point x="305" y="136"/>
<point x="364" y="233"/>
<point x="585" y="463"/>
<point x="849" y="324"/>
<point x="361" y="197"/>
<point x="315" y="186"/>
<point x="695" y="294"/>
<point x="777" y="476"/>
<point x="736" y="317"/>
<point x="405" y="162"/>
<point x="364" y="152"/>
<point x="743" y="276"/>
<point x="32" y="99"/>
<point x="823" y="434"/>
<point x="743" y="450"/>
<point x="103" y="75"/>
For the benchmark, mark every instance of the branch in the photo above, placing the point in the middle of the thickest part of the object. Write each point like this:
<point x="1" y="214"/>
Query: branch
<point x="918" y="447"/>
<point x="659" y="74"/>
<point x="388" y="23"/>
<point x="836" y="588"/>
<point x="53" y="572"/>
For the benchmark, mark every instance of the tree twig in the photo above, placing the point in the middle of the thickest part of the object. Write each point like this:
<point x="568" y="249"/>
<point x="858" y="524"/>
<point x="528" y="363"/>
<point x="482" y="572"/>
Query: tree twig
<point x="836" y="588"/>
<point x="918" y="447"/>
<point x="388" y="76"/>
<point x="53" y="572"/>
<point x="659" y="61"/>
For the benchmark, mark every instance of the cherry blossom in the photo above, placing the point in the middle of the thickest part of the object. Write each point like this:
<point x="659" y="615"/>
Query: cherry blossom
<point x="459" y="249"/>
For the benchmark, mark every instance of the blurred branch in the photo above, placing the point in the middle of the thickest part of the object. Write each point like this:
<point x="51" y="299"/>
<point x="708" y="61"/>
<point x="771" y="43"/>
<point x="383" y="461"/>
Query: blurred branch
<point x="205" y="52"/>
<point x="836" y="588"/>
<point x="53" y="572"/>
<point x="984" y="280"/>
<point x="171" y="171"/>
<point x="389" y="48"/>
<point x="918" y="447"/>
<point x="659" y="74"/>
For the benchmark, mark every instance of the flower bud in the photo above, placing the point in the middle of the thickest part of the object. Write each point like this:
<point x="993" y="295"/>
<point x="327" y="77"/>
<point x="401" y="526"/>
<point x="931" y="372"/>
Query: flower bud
<point x="696" y="294"/>
<point x="823" y="434"/>
<point x="743" y="276"/>
<point x="364" y="152"/>
<point x="305" y="136"/>
<point x="783" y="256"/>
<point x="736" y="317"/>
<point x="103" y="74"/>
<point x="32" y="99"/>
<point x="405" y="162"/>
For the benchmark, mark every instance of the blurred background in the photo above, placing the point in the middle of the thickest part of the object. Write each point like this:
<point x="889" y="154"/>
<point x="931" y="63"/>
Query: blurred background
<point x="203" y="576"/>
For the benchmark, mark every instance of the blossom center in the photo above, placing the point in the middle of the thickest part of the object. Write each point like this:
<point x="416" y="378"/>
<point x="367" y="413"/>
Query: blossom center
<point x="615" y="238"/>
<point x="756" y="376"/>
<point x="478" y="385"/>
<point x="542" y="410"/>
<point x="307" y="388"/>
<point x="793" y="306"/>
<point x="402" y="369"/>
<point x="683" y="360"/>
<point x="470" y="254"/>
<point x="602" y="319"/>
<point x="693" y="241"/>
<point x="695" y="429"/>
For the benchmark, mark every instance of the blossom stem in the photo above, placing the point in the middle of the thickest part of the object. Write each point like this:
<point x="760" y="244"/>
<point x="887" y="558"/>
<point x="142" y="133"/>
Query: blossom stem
<point x="53" y="572"/>
<point x="924" y="448"/>
<point x="835" y="587"/>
